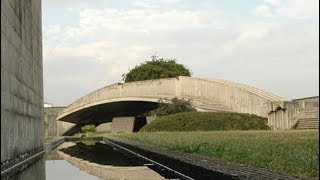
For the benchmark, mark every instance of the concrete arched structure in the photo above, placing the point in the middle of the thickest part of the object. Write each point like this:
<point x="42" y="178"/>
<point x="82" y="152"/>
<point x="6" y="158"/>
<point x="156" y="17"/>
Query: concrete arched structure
<point x="206" y="95"/>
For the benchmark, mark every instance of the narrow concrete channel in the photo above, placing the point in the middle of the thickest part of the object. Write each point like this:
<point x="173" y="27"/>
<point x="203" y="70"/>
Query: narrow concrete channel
<point x="89" y="159"/>
<point x="110" y="158"/>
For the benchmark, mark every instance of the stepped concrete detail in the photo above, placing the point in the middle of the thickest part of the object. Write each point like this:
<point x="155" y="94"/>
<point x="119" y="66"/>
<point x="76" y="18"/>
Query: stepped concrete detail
<point x="296" y="114"/>
<point x="205" y="95"/>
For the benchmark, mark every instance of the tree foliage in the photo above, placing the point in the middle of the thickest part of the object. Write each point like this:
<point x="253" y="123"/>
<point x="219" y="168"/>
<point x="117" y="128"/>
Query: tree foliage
<point x="173" y="106"/>
<point x="156" y="69"/>
<point x="88" y="128"/>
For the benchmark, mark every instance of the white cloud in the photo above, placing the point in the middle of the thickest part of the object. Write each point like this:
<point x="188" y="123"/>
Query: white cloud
<point x="107" y="42"/>
<point x="152" y="3"/>
<point x="295" y="9"/>
<point x="263" y="10"/>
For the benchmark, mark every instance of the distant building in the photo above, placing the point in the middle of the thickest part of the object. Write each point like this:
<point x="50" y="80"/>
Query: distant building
<point x="47" y="104"/>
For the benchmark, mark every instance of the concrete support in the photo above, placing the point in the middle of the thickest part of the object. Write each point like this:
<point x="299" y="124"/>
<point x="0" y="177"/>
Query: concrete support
<point x="22" y="126"/>
<point x="122" y="124"/>
<point x="104" y="127"/>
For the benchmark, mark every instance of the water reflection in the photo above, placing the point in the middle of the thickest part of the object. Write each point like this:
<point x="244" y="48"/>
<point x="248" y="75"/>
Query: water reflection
<point x="106" y="161"/>
<point x="87" y="160"/>
<point x="61" y="169"/>
<point x="101" y="154"/>
<point x="36" y="171"/>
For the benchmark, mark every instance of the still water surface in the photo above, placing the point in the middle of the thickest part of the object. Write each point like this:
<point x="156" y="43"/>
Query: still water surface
<point x="89" y="161"/>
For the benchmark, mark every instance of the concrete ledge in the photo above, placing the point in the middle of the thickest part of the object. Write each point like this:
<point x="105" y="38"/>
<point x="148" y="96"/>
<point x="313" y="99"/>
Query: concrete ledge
<point x="21" y="162"/>
<point x="199" y="167"/>
<point x="54" y="143"/>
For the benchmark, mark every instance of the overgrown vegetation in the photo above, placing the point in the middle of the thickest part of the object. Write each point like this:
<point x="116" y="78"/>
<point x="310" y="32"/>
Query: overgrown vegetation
<point x="156" y="69"/>
<point x="173" y="106"/>
<point x="207" y="121"/>
<point x="48" y="138"/>
<point x="88" y="128"/>
<point x="294" y="152"/>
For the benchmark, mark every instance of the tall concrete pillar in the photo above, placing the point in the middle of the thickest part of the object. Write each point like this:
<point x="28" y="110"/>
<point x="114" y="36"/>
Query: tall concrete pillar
<point x="22" y="125"/>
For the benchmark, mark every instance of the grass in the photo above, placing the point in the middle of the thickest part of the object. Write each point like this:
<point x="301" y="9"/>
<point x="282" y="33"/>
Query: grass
<point x="294" y="152"/>
<point x="207" y="121"/>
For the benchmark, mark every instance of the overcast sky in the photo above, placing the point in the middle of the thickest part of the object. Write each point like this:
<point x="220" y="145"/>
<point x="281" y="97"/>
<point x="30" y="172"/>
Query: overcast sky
<point x="269" y="44"/>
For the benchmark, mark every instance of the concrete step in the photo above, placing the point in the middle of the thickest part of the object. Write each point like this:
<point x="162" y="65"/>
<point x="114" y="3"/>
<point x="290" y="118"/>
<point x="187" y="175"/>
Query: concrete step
<point x="308" y="123"/>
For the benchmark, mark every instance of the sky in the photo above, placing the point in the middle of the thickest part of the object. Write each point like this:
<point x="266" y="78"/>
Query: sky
<point x="269" y="44"/>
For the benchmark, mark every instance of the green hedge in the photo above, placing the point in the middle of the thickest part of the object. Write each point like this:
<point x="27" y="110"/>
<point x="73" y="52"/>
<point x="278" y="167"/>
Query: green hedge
<point x="207" y="121"/>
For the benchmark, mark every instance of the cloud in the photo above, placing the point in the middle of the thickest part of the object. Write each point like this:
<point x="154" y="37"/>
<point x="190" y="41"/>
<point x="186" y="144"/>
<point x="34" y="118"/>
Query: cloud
<point x="152" y="3"/>
<point x="294" y="9"/>
<point x="105" y="43"/>
<point x="263" y="10"/>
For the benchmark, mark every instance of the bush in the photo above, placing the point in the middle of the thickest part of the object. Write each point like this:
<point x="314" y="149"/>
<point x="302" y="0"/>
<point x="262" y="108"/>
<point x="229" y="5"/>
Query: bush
<point x="176" y="105"/>
<point x="88" y="128"/>
<point x="156" y="69"/>
<point x="207" y="121"/>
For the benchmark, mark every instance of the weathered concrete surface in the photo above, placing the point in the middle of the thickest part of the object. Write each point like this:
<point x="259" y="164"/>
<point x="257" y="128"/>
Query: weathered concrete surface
<point x="299" y="113"/>
<point x="35" y="171"/>
<point x="52" y="126"/>
<point x="22" y="126"/>
<point x="206" y="95"/>
<point x="308" y="99"/>
<point x="50" y="115"/>
<point x="122" y="124"/>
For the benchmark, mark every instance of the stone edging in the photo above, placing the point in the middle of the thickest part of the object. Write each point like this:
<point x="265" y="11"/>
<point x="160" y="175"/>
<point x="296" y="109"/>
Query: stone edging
<point x="199" y="167"/>
<point x="21" y="162"/>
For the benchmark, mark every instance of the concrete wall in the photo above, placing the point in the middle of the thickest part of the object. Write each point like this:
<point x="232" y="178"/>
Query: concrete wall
<point x="308" y="99"/>
<point x="122" y="124"/>
<point x="206" y="95"/>
<point x="63" y="127"/>
<point x="104" y="127"/>
<point x="286" y="114"/>
<point x="52" y="126"/>
<point x="22" y="126"/>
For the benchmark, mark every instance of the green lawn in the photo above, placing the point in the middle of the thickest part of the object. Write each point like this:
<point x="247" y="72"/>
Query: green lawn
<point x="294" y="152"/>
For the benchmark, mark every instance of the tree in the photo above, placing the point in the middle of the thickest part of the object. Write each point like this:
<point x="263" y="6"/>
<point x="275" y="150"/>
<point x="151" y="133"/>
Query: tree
<point x="156" y="69"/>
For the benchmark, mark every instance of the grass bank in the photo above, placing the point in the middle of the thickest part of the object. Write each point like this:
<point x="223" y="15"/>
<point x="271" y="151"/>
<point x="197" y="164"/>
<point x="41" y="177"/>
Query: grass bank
<point x="293" y="152"/>
<point x="207" y="121"/>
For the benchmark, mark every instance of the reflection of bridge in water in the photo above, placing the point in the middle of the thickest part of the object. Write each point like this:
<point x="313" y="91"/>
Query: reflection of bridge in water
<point x="102" y="160"/>
<point x="135" y="98"/>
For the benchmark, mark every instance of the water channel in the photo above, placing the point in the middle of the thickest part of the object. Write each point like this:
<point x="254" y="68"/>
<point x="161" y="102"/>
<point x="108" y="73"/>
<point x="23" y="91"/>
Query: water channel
<point x="91" y="160"/>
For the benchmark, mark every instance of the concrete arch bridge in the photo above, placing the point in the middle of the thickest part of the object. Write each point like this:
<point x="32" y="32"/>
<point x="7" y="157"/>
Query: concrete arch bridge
<point x="135" y="98"/>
